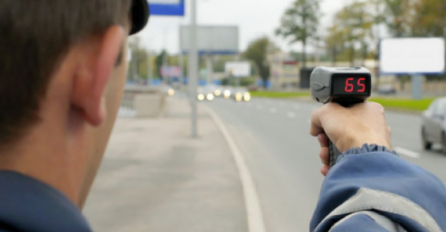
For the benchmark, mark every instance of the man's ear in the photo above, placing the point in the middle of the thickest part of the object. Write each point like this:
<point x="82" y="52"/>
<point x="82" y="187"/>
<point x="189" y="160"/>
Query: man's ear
<point x="96" y="64"/>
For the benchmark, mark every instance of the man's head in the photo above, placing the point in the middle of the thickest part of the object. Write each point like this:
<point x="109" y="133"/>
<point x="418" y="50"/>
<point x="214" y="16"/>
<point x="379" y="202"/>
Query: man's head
<point x="61" y="76"/>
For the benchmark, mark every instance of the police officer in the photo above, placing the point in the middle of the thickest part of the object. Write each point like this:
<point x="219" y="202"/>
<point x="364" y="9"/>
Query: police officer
<point x="370" y="188"/>
<point x="62" y="70"/>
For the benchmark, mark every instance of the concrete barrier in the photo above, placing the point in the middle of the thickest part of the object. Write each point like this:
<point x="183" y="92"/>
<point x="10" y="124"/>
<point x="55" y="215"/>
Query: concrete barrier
<point x="148" y="105"/>
<point x="147" y="102"/>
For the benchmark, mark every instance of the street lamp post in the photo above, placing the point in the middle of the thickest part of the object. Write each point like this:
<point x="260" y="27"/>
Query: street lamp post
<point x="193" y="67"/>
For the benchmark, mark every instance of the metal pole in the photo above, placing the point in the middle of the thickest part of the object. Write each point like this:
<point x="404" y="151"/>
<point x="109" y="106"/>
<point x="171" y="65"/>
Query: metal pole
<point x="193" y="67"/>
<point x="417" y="87"/>
<point x="237" y="79"/>
<point x="180" y="63"/>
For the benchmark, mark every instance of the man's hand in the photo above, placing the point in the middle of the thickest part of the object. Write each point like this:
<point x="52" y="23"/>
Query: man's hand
<point x="349" y="128"/>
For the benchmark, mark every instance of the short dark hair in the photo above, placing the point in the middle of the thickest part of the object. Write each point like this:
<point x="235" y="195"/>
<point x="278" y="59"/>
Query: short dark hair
<point x="34" y="36"/>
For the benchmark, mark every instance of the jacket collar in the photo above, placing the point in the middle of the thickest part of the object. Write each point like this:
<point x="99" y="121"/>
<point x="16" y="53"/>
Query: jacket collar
<point x="27" y="204"/>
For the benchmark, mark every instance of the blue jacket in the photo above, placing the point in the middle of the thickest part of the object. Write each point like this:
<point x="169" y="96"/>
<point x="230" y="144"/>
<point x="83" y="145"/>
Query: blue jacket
<point x="28" y="205"/>
<point x="371" y="189"/>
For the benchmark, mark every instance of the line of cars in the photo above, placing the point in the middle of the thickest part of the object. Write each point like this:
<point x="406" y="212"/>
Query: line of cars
<point x="209" y="93"/>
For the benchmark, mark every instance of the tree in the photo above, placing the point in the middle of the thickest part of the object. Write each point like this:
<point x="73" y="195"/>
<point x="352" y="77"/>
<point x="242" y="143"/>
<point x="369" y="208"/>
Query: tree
<point x="398" y="15"/>
<point x="300" y="23"/>
<point x="257" y="52"/>
<point x="160" y="61"/>
<point x="334" y="42"/>
<point x="429" y="18"/>
<point x="139" y="65"/>
<point x="352" y="29"/>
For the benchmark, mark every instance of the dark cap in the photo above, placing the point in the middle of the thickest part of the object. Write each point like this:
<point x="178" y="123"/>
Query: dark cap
<point x="140" y="15"/>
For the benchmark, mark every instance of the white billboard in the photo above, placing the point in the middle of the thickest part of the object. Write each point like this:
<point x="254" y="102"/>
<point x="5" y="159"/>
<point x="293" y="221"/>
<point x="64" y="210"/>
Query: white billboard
<point x="212" y="39"/>
<point x="238" y="69"/>
<point x="412" y="56"/>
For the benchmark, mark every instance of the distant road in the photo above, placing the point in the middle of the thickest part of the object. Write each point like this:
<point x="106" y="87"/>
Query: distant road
<point x="283" y="158"/>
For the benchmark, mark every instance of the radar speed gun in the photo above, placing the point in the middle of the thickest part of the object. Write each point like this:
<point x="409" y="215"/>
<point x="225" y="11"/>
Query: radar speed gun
<point x="345" y="86"/>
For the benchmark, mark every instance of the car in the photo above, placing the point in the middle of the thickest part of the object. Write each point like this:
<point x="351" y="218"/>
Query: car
<point x="205" y="93"/>
<point x="433" y="128"/>
<point x="241" y="95"/>
<point x="215" y="89"/>
<point x="218" y="91"/>
<point x="386" y="90"/>
<point x="227" y="92"/>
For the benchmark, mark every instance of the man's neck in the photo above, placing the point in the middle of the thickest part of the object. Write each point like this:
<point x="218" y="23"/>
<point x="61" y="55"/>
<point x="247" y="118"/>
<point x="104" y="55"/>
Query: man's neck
<point x="48" y="154"/>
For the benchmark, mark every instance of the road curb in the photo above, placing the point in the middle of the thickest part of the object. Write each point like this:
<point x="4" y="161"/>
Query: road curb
<point x="254" y="211"/>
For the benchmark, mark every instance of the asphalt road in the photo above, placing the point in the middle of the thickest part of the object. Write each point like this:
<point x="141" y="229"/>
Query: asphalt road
<point x="283" y="158"/>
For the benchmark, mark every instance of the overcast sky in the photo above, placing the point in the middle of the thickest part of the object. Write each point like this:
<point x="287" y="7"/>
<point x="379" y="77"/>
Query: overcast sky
<point x="254" y="18"/>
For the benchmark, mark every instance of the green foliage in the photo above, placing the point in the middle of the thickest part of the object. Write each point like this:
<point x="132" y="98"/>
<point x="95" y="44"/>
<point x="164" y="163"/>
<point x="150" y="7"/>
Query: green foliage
<point x="257" y="52"/>
<point x="334" y="42"/>
<point x="160" y="59"/>
<point x="247" y="81"/>
<point x="139" y="65"/>
<point x="397" y="15"/>
<point x="300" y="23"/>
<point x="352" y="31"/>
<point x="429" y="18"/>
<point x="268" y="94"/>
<point x="435" y="77"/>
<point x="404" y="104"/>
<point x="219" y="62"/>
<point x="423" y="18"/>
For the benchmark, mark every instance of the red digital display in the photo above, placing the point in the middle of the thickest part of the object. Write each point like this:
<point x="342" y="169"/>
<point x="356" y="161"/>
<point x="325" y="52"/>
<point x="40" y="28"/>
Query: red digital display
<point x="352" y="82"/>
<point x="351" y="85"/>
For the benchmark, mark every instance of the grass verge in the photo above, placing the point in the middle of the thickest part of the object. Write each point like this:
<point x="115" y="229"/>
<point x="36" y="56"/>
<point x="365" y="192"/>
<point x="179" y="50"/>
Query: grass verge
<point x="390" y="103"/>
<point x="404" y="104"/>
<point x="268" y="94"/>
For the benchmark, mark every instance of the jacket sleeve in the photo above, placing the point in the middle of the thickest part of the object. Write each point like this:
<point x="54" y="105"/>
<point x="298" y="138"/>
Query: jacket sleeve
<point x="373" y="188"/>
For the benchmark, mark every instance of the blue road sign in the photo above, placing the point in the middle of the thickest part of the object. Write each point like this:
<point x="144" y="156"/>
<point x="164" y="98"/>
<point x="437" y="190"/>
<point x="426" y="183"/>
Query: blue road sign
<point x="167" y="7"/>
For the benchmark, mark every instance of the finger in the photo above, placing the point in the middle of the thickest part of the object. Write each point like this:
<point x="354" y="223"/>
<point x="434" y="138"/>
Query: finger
<point x="321" y="114"/>
<point x="316" y="125"/>
<point x="325" y="156"/>
<point x="324" y="170"/>
<point x="323" y="140"/>
<point x="376" y="106"/>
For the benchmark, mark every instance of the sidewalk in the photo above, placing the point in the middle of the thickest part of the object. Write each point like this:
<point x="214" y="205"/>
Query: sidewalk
<point x="155" y="177"/>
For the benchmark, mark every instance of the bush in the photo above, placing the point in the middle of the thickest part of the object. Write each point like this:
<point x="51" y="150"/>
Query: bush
<point x="245" y="81"/>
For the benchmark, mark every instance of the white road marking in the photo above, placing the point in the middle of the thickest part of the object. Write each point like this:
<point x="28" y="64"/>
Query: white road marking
<point x="273" y="110"/>
<point x="408" y="153"/>
<point x="254" y="212"/>
<point x="291" y="115"/>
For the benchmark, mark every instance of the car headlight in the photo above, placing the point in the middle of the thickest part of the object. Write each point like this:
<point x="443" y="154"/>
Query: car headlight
<point x="200" y="97"/>
<point x="247" y="97"/>
<point x="227" y="93"/>
<point x="238" y="97"/>
<point x="170" y="92"/>
<point x="210" y="97"/>
<point x="217" y="93"/>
